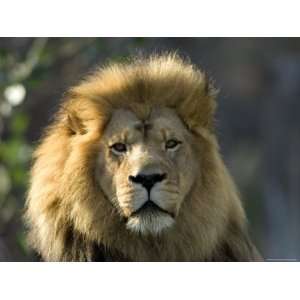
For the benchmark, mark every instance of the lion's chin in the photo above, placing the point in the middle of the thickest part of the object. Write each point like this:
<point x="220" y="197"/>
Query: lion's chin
<point x="150" y="223"/>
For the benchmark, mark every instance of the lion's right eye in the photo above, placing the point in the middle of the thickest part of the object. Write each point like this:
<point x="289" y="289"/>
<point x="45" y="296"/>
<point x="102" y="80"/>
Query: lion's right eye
<point x="118" y="148"/>
<point x="172" y="144"/>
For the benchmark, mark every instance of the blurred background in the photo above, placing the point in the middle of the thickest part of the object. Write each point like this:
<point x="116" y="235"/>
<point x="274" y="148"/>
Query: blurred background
<point x="258" y="121"/>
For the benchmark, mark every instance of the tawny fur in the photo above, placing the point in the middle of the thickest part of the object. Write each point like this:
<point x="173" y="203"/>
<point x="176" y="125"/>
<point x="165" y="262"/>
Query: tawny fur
<point x="68" y="216"/>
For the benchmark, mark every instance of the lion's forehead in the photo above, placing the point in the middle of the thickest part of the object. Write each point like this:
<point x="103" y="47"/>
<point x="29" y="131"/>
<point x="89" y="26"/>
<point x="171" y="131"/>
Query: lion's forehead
<point x="161" y="123"/>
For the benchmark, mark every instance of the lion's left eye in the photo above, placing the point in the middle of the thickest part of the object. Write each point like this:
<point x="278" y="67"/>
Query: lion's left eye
<point x="118" y="148"/>
<point x="172" y="144"/>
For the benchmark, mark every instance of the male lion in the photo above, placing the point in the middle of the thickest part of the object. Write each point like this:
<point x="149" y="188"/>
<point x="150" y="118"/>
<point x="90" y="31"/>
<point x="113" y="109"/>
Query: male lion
<point x="130" y="170"/>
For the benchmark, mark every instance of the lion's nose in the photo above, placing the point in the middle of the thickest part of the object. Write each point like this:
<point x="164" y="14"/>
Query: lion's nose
<point x="148" y="181"/>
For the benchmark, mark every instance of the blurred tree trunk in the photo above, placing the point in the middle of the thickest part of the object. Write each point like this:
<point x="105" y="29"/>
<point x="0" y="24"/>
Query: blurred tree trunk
<point x="280" y="136"/>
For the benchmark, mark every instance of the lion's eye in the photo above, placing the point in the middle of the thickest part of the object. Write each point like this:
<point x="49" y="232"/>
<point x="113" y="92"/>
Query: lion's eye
<point x="118" y="148"/>
<point x="172" y="144"/>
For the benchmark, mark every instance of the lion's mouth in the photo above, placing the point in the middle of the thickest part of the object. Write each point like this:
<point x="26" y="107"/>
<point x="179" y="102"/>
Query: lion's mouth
<point x="150" y="219"/>
<point x="149" y="207"/>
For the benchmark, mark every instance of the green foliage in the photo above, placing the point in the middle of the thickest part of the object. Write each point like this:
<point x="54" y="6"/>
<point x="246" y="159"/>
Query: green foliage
<point x="15" y="154"/>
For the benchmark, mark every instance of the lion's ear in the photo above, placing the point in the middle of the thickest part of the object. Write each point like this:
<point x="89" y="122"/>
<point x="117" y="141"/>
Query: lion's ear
<point x="74" y="123"/>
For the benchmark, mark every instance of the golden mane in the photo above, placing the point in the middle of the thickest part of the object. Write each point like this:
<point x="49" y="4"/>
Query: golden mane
<point x="68" y="216"/>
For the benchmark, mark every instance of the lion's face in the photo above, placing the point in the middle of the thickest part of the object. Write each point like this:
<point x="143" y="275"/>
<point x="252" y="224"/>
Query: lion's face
<point x="146" y="168"/>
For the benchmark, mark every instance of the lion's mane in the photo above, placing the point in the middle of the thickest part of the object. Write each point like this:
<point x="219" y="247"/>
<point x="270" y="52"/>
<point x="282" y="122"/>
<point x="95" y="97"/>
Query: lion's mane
<point x="69" y="218"/>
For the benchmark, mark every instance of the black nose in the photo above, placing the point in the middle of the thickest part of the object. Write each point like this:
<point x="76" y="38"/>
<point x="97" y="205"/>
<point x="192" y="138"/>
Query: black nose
<point x="147" y="181"/>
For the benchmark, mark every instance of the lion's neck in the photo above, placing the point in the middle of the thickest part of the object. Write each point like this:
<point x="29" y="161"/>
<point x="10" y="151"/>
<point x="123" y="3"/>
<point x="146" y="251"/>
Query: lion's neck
<point x="191" y="239"/>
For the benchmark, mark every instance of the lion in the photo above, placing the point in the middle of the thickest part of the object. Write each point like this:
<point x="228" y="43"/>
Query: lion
<point x="130" y="170"/>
